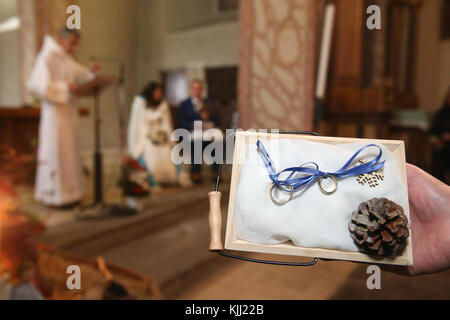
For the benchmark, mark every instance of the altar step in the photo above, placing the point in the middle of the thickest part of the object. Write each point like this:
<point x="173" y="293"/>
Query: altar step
<point x="168" y="240"/>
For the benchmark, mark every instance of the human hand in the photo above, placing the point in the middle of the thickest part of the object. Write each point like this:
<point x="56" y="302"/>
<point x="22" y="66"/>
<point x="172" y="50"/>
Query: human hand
<point x="429" y="205"/>
<point x="208" y="124"/>
<point x="73" y="86"/>
<point x="83" y="112"/>
<point x="95" y="66"/>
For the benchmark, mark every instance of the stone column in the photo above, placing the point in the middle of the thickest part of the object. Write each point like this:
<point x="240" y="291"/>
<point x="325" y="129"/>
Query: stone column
<point x="276" y="70"/>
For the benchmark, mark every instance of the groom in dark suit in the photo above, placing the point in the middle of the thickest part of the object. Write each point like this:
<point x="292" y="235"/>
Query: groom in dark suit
<point x="194" y="109"/>
<point x="189" y="109"/>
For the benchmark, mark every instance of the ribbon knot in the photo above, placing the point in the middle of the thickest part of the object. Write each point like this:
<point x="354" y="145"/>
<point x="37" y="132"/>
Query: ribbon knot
<point x="311" y="172"/>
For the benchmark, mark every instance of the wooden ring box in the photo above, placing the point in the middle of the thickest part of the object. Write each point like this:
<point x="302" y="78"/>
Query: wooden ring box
<point x="232" y="241"/>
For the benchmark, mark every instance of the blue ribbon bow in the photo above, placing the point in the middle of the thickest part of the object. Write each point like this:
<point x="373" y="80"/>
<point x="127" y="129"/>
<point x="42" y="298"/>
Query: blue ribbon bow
<point x="312" y="174"/>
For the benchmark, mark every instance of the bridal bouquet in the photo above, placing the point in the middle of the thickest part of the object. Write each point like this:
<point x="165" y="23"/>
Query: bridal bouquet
<point x="134" y="179"/>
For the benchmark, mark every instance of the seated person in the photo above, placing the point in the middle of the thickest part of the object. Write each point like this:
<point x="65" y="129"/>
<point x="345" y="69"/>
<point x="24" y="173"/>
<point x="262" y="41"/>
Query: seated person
<point x="194" y="109"/>
<point x="149" y="133"/>
<point x="440" y="140"/>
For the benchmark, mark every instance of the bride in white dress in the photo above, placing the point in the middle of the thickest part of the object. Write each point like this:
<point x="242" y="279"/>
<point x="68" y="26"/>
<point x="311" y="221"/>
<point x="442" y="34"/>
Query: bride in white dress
<point x="149" y="133"/>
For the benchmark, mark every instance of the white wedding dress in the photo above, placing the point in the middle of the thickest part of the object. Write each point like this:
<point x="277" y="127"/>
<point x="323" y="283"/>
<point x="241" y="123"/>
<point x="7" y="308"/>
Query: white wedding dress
<point x="149" y="134"/>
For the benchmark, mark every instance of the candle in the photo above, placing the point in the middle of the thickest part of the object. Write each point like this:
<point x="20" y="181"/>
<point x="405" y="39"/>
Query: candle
<point x="325" y="47"/>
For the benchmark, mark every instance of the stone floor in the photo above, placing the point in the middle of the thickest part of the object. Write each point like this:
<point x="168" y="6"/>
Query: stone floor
<point x="169" y="239"/>
<point x="326" y="280"/>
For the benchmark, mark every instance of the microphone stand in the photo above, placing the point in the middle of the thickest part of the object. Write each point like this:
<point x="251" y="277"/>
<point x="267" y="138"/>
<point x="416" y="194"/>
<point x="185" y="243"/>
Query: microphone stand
<point x="106" y="210"/>
<point x="117" y="210"/>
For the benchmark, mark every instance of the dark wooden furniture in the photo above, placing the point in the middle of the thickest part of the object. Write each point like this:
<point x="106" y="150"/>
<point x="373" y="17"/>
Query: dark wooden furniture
<point x="374" y="125"/>
<point x="377" y="125"/>
<point x="372" y="74"/>
<point x="417" y="145"/>
<point x="445" y="20"/>
<point x="19" y="128"/>
<point x="222" y="92"/>
<point x="373" y="70"/>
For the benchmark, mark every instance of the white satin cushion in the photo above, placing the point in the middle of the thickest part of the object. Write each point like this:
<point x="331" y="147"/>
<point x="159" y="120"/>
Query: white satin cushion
<point x="311" y="218"/>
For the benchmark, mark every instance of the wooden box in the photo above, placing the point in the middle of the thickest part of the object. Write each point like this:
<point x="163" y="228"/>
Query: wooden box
<point x="232" y="242"/>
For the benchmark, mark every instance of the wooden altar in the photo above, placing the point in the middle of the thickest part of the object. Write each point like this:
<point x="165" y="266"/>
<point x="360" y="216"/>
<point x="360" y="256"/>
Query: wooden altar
<point x="19" y="128"/>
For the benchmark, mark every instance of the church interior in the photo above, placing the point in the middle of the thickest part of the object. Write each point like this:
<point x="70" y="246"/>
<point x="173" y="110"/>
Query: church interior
<point x="263" y="64"/>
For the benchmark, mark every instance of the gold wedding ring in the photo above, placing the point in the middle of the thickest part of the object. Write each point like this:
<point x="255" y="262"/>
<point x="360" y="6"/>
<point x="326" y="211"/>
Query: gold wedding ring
<point x="280" y="203"/>
<point x="329" y="190"/>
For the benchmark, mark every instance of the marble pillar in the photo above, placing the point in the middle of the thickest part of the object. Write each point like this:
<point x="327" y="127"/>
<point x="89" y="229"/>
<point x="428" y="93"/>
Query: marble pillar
<point x="277" y="64"/>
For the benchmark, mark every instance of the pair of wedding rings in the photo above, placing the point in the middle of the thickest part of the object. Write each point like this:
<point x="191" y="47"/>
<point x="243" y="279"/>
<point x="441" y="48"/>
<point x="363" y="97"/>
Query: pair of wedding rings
<point x="325" y="190"/>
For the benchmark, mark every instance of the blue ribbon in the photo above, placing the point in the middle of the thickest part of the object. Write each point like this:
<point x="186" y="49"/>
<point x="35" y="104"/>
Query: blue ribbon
<point x="312" y="174"/>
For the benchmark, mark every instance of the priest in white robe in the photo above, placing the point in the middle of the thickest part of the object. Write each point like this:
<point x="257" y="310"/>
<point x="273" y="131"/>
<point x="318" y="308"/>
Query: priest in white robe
<point x="54" y="77"/>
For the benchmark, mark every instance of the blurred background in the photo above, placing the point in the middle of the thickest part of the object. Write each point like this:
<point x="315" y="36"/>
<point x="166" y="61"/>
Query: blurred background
<point x="259" y="61"/>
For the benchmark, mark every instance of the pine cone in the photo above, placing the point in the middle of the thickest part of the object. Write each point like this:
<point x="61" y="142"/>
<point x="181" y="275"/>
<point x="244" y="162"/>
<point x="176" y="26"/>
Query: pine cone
<point x="379" y="227"/>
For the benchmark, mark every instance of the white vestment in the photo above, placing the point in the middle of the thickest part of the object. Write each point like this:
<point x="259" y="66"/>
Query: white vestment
<point x="145" y="127"/>
<point x="58" y="179"/>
